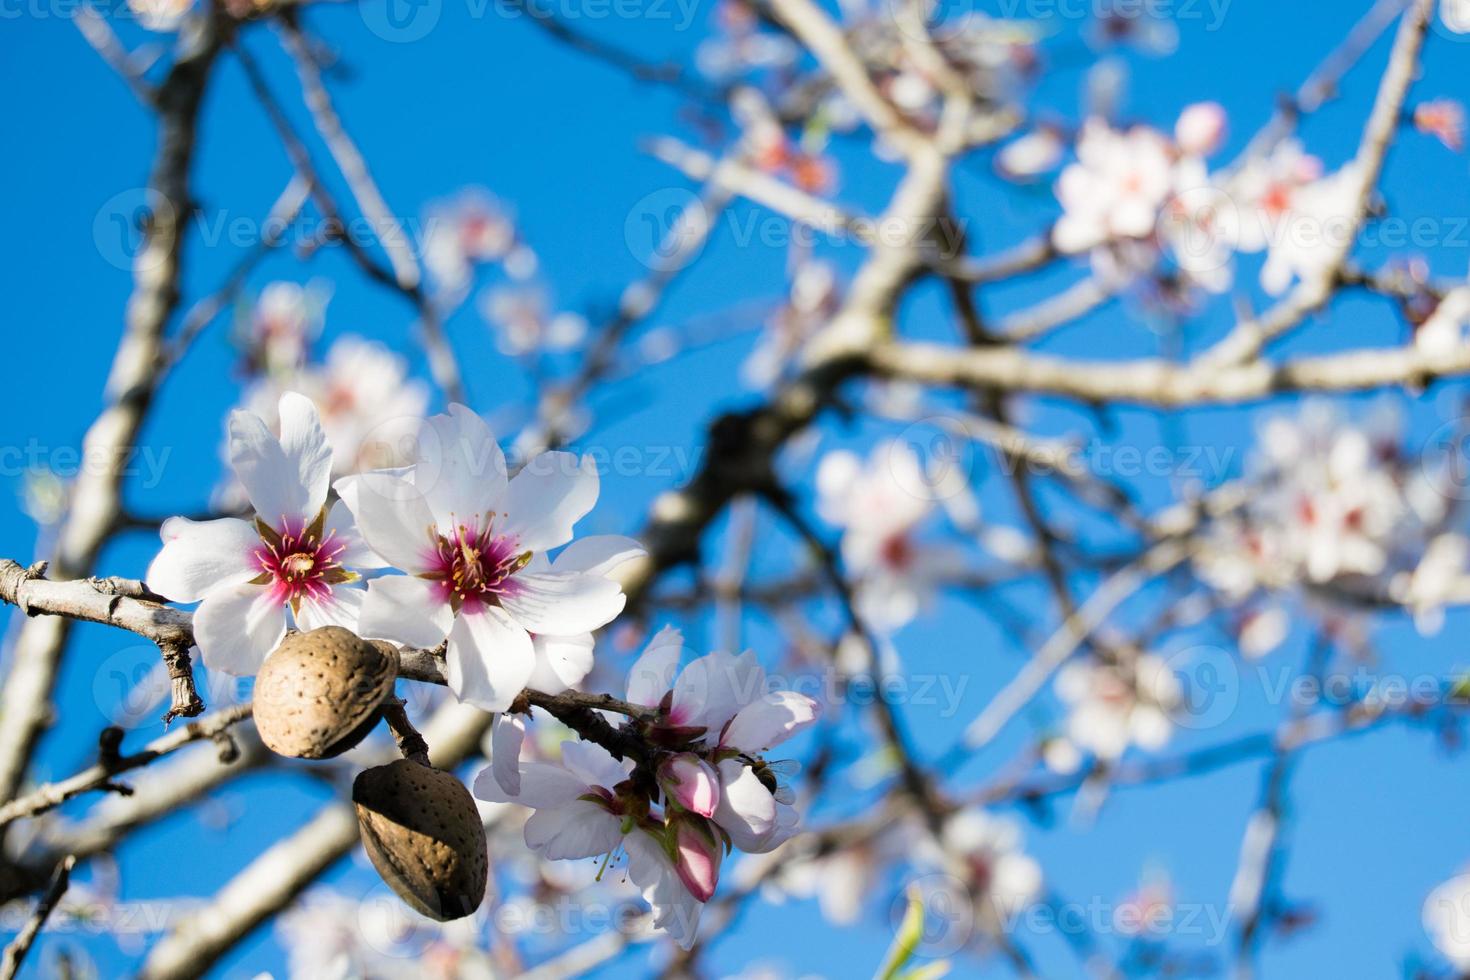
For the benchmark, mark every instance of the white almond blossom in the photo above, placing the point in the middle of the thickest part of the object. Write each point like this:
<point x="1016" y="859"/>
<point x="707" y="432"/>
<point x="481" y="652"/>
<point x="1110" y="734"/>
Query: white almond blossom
<point x="1115" y="189"/>
<point x="1456" y="15"/>
<point x="985" y="850"/>
<point x="1113" y="706"/>
<point x="523" y="325"/>
<point x="465" y="232"/>
<point x="286" y="318"/>
<point x="881" y="505"/>
<point x="294" y="562"/>
<point x="707" y="786"/>
<point x="370" y="409"/>
<point x="470" y="539"/>
<point x="587" y="806"/>
<point x="1333" y="505"/>
<point x="1447" y="330"/>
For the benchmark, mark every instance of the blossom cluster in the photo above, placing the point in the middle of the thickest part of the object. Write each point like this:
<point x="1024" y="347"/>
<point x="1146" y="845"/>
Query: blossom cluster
<point x="1138" y="198"/>
<point x="705" y="788"/>
<point x="472" y="541"/>
<point x="1340" y="509"/>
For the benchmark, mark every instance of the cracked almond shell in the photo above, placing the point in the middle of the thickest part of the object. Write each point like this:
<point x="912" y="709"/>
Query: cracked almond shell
<point x="423" y="833"/>
<point x="319" y="693"/>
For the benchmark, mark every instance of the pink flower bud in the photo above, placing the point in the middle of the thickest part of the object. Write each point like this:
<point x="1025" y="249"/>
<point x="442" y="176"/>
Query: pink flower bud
<point x="690" y="782"/>
<point x="697" y="856"/>
<point x="1200" y="129"/>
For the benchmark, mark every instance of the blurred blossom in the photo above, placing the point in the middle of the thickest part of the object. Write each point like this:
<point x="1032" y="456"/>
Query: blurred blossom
<point x="163" y="16"/>
<point x="1445" y="332"/>
<point x="881" y="504"/>
<point x="766" y="144"/>
<point x="1200" y="129"/>
<point x="1438" y="580"/>
<point x="1456" y="15"/>
<point x="284" y="321"/>
<point x="1145" y="26"/>
<point x="1444" y="119"/>
<point x="985" y="852"/>
<point x="369" y="408"/>
<point x="1031" y="156"/>
<point x="1446" y="911"/>
<point x="43" y="497"/>
<point x="465" y="232"/>
<point x="1114" y="705"/>
<point x="1105" y="88"/>
<point x="1116" y="187"/>
<point x="522" y="324"/>
<point x="1333" y="505"/>
<point x="1147" y="911"/>
<point x="1263" y="630"/>
<point x="813" y="299"/>
<point x="741" y="47"/>
<point x="331" y="936"/>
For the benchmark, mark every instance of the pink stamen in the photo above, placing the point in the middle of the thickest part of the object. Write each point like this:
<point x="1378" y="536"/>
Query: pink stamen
<point x="473" y="566"/>
<point x="303" y="563"/>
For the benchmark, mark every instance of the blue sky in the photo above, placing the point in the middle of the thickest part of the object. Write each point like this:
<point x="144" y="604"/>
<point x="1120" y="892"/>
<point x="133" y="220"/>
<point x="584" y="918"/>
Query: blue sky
<point x="485" y="98"/>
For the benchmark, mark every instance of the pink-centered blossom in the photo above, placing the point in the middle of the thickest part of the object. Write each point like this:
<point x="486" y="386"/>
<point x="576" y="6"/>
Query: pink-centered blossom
<point x="725" y="696"/>
<point x="295" y="561"/>
<point x="474" y="546"/>
<point x="1115" y="189"/>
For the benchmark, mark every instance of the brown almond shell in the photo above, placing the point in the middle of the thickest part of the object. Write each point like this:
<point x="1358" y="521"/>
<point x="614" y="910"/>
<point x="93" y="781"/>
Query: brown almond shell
<point x="319" y="693"/>
<point x="423" y="833"/>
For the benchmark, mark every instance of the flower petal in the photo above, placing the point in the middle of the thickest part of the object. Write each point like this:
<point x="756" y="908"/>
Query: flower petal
<point x="652" y="676"/>
<point x="489" y="659"/>
<point x="237" y="627"/>
<point x="355" y="552"/>
<point x="547" y="497"/>
<point x="198" y="556"/>
<point x="460" y="468"/>
<point x="392" y="516"/>
<point x="594" y="764"/>
<point x="577" y="830"/>
<point x="561" y="661"/>
<point x="713" y="688"/>
<point x="561" y="604"/>
<point x="341" y="606"/>
<point x="542" y="785"/>
<point x="404" y="609"/>
<point x="747" y="810"/>
<point x="675" y="910"/>
<point x="598" y="555"/>
<point x="305" y="446"/>
<point x="770" y="721"/>
<point x="507" y="734"/>
<point x="271" y="479"/>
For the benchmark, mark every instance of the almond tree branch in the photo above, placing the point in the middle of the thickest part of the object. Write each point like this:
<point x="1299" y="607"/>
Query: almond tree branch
<point x="16" y="952"/>
<point x="25" y="701"/>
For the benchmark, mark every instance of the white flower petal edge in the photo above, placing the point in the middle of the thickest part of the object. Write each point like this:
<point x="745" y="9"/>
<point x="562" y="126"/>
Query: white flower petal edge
<point x="489" y="659"/>
<point x="198" y="556"/>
